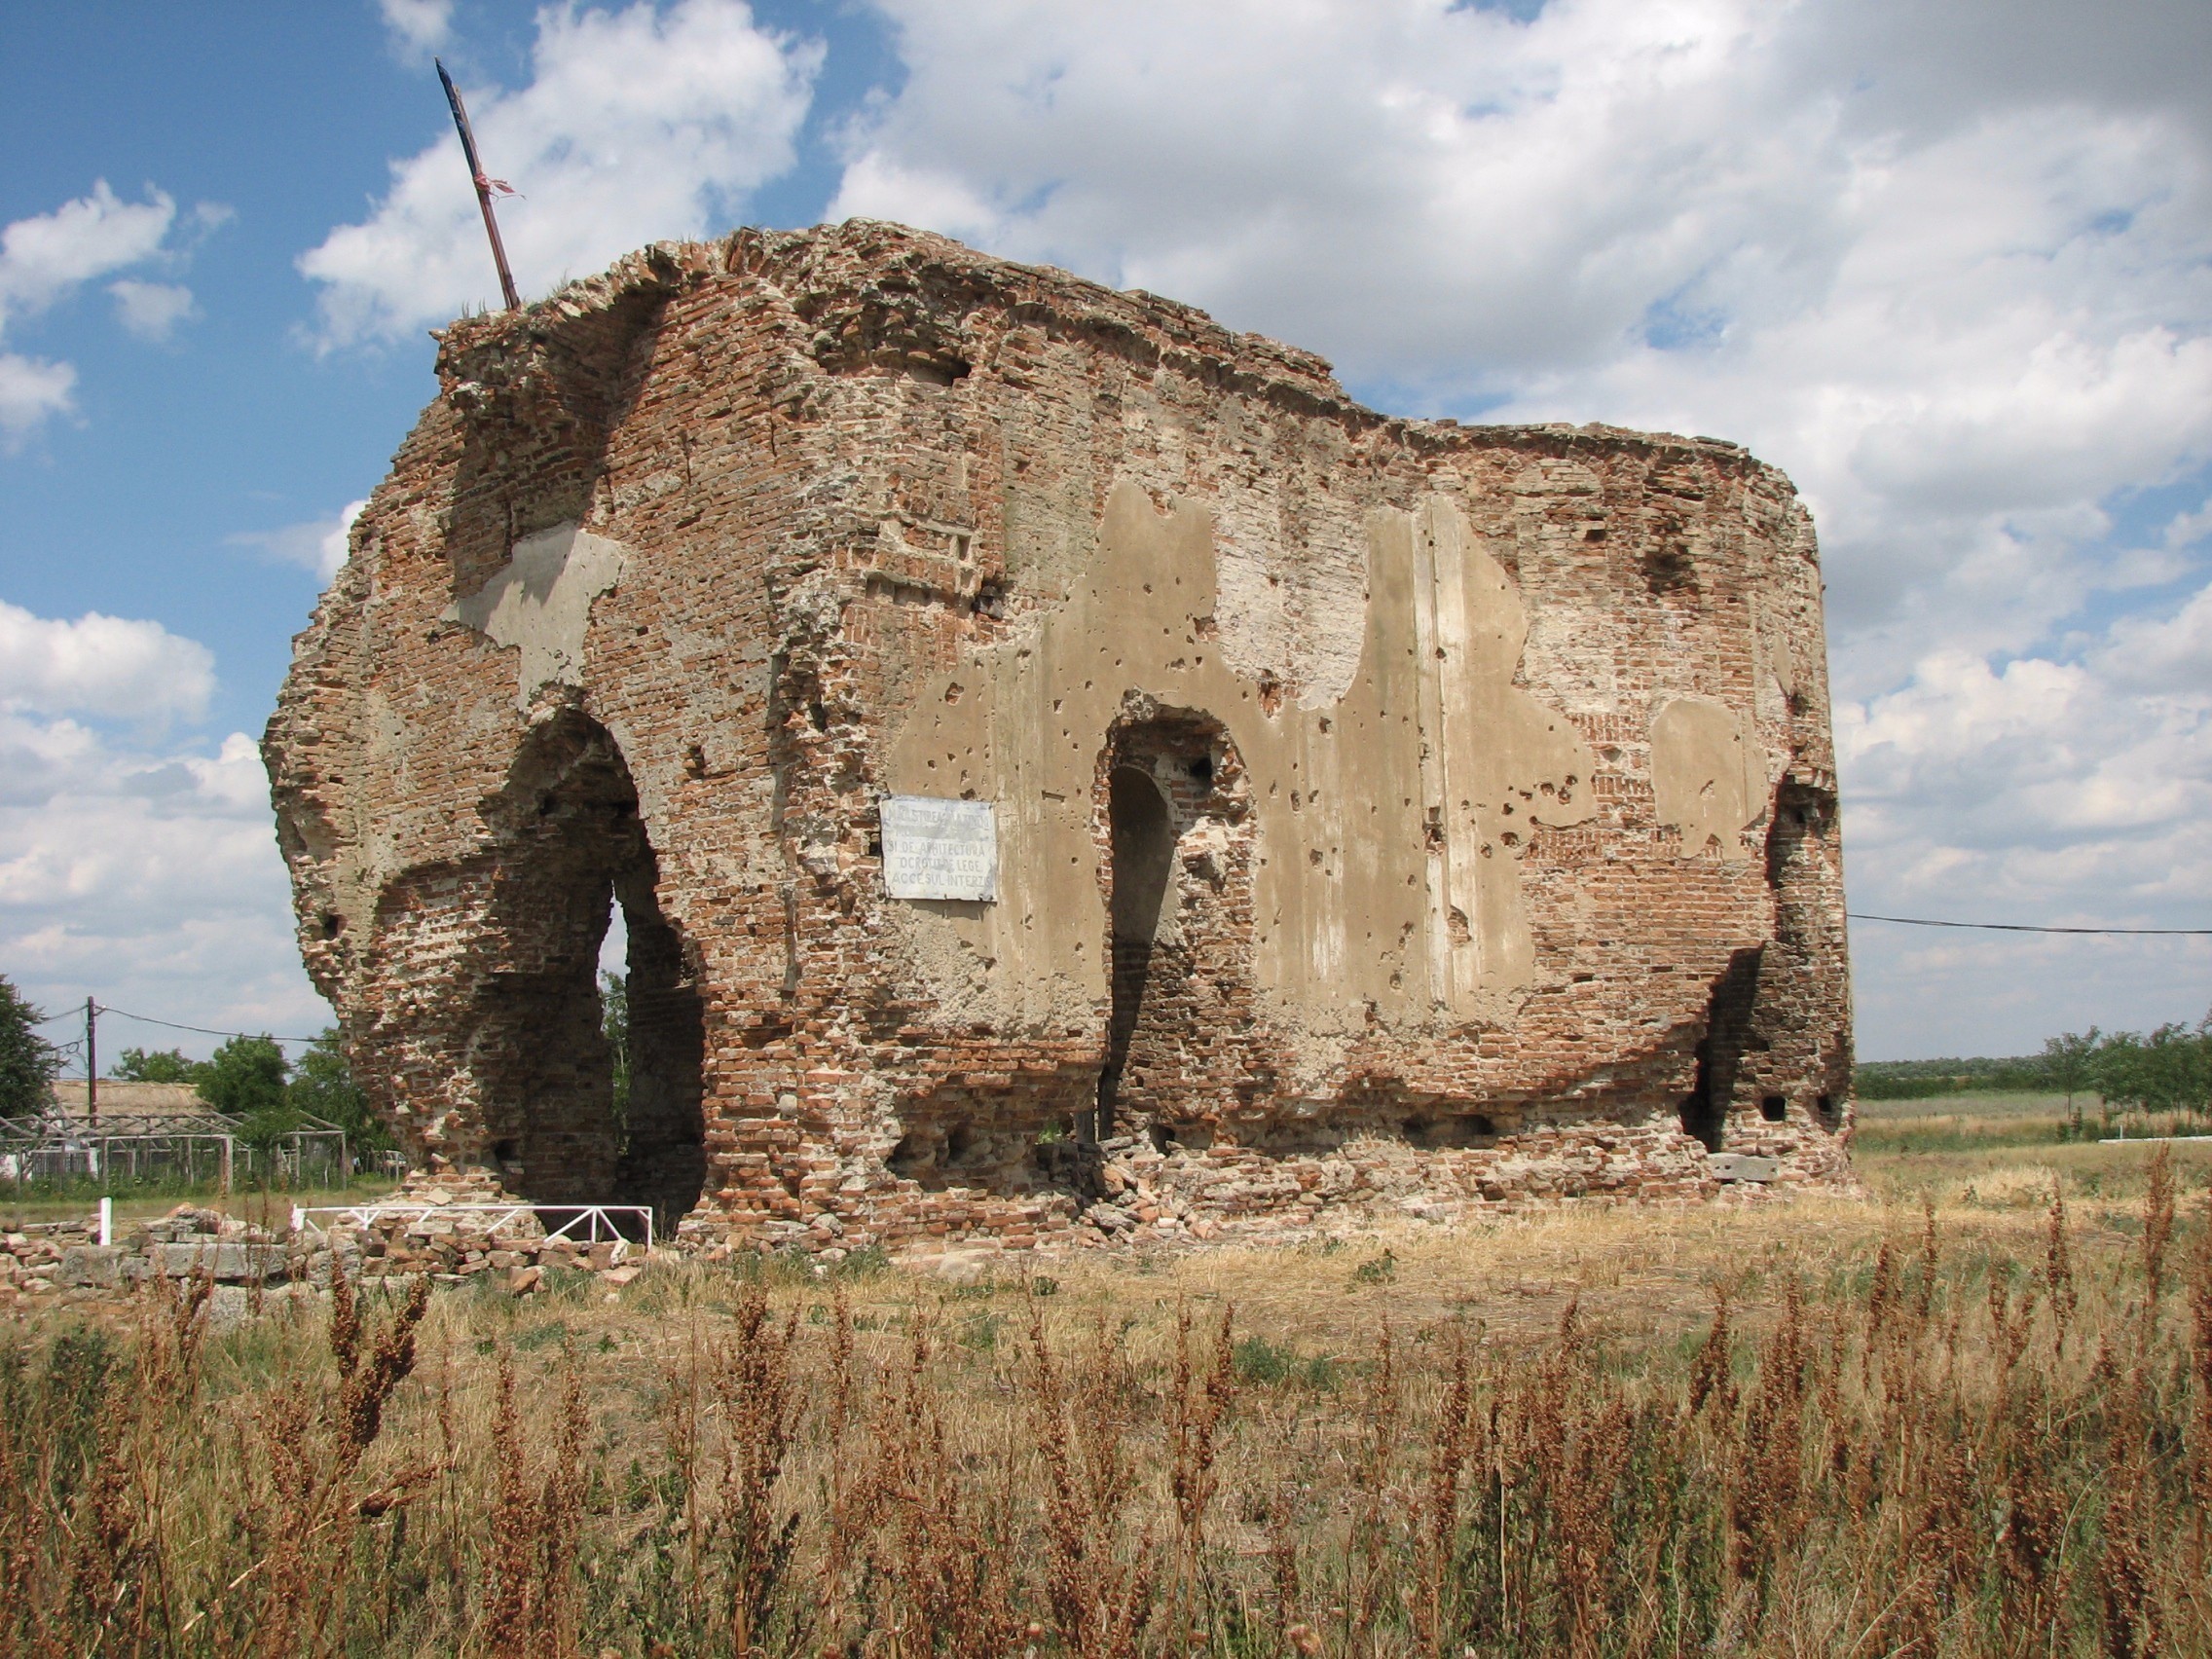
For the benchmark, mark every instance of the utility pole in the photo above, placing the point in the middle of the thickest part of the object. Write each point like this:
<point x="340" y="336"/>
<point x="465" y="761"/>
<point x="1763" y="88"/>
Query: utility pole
<point x="93" y="1063"/>
<point x="484" y="187"/>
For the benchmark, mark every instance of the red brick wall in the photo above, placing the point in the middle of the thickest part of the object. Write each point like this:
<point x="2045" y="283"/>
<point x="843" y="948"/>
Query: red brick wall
<point x="840" y="466"/>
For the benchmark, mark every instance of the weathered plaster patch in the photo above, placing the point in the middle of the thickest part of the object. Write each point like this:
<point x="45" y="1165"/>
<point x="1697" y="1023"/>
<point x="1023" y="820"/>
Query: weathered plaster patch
<point x="1708" y="774"/>
<point x="541" y="602"/>
<point x="1375" y="897"/>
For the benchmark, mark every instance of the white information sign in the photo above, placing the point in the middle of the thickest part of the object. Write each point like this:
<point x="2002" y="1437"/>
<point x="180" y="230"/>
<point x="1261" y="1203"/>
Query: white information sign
<point x="940" y="848"/>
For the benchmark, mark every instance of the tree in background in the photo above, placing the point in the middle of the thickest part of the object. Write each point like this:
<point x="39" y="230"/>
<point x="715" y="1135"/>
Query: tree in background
<point x="157" y="1065"/>
<point x="323" y="1087"/>
<point x="245" y="1078"/>
<point x="29" y="1062"/>
<point x="2167" y="1070"/>
<point x="2072" y="1061"/>
<point x="614" y="1026"/>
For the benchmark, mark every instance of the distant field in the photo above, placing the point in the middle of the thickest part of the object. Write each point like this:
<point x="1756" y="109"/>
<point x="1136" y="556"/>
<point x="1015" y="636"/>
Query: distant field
<point x="1996" y="1151"/>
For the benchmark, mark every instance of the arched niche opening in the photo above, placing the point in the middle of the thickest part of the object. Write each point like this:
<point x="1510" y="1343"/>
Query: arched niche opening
<point x="1721" y="1050"/>
<point x="1179" y="831"/>
<point x="1141" y="841"/>
<point x="547" y="1058"/>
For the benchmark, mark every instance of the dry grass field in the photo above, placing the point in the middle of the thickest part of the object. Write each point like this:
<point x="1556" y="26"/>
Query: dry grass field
<point x="1954" y="1417"/>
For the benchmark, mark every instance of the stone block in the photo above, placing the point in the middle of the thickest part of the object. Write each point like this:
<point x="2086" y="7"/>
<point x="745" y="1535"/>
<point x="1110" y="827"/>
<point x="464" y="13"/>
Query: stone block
<point x="92" y="1265"/>
<point x="228" y="1261"/>
<point x="1744" y="1166"/>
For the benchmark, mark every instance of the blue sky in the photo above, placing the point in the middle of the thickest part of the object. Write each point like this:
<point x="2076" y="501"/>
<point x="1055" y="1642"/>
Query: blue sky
<point x="1951" y="267"/>
<point x="285" y="119"/>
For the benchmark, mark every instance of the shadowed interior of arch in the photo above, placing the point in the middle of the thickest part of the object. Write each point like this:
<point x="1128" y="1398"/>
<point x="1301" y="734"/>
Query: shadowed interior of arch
<point x="1143" y="851"/>
<point x="571" y="848"/>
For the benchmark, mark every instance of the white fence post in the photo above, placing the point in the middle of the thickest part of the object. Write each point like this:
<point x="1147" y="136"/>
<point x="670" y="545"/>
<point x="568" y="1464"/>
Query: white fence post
<point x="107" y="1221"/>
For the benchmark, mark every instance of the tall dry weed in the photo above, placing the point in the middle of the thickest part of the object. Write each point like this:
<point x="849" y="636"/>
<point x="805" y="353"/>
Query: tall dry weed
<point x="1455" y="1446"/>
<point x="1098" y="1580"/>
<point x="937" y="1542"/>
<point x="1940" y="1449"/>
<point x="2058" y="1272"/>
<point x="1198" y="1401"/>
<point x="2200" y="1439"/>
<point x="755" y="1530"/>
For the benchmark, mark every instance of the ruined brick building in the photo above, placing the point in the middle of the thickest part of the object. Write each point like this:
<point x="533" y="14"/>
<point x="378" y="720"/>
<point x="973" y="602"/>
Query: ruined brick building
<point x="1358" y="815"/>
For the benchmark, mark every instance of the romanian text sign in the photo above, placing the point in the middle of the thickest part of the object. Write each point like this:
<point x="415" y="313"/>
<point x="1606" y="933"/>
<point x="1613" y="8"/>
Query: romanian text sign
<point x="940" y="848"/>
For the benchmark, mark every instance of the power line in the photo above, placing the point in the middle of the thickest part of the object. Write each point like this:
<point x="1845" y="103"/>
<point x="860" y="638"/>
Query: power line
<point x="202" y="1030"/>
<point x="2025" y="926"/>
<point x="1855" y="916"/>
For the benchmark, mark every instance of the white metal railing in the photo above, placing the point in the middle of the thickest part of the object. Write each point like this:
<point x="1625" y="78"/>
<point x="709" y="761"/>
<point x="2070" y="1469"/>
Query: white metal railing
<point x="596" y="1220"/>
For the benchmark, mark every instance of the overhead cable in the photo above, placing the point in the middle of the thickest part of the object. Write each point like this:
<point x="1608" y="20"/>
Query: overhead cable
<point x="202" y="1030"/>
<point x="2026" y="926"/>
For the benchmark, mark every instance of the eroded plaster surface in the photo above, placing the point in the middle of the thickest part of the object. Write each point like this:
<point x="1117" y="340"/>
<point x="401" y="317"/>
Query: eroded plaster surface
<point x="1391" y="819"/>
<point x="1708" y="775"/>
<point x="538" y="604"/>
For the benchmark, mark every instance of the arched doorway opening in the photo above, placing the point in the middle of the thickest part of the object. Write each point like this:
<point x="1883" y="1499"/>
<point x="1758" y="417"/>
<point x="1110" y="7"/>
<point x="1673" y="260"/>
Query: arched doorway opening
<point x="569" y="849"/>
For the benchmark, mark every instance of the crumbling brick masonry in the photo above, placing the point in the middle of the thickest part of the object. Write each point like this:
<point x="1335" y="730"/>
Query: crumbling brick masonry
<point x="1389" y="816"/>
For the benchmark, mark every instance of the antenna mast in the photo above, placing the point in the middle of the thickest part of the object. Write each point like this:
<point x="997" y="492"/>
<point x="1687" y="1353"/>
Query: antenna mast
<point x="484" y="187"/>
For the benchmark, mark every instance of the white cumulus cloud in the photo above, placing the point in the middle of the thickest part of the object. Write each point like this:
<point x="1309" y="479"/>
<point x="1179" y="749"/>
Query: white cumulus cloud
<point x="47" y="256"/>
<point x="30" y="392"/>
<point x="149" y="878"/>
<point x="44" y="257"/>
<point x="637" y="125"/>
<point x="151" y="309"/>
<point x="1962" y="294"/>
<point x="320" y="545"/>
<point x="141" y="870"/>
<point x="107" y="666"/>
<point x="417" y="26"/>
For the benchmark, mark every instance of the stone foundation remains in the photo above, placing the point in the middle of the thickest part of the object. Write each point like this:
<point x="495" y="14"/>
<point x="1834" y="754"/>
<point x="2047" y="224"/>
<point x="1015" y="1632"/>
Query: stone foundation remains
<point x="49" y="1264"/>
<point x="1361" y="814"/>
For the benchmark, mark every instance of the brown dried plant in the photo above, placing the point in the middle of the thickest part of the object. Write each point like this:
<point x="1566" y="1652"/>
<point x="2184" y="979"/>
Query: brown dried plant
<point x="555" y="1610"/>
<point x="1196" y="1405"/>
<point x="1368" y="1539"/>
<point x="1901" y="1469"/>
<point x="1099" y="1589"/>
<point x="843" y="1498"/>
<point x="2126" y="1564"/>
<point x="755" y="1531"/>
<point x="1767" y="1496"/>
<point x="316" y="1439"/>
<point x="1712" y="1379"/>
<point x="1930" y="1261"/>
<point x="1454" y="1445"/>
<point x="507" y="1622"/>
<point x="2157" y="1232"/>
<point x="2200" y="1439"/>
<point x="533" y="1605"/>
<point x="2059" y="1270"/>
<point x="937" y="1542"/>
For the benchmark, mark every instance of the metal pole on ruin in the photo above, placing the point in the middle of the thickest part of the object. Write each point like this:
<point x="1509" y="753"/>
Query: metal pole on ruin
<point x="484" y="187"/>
<point x="92" y="1063"/>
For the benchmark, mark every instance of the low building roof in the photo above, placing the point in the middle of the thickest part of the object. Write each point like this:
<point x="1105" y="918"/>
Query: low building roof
<point x="129" y="1109"/>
